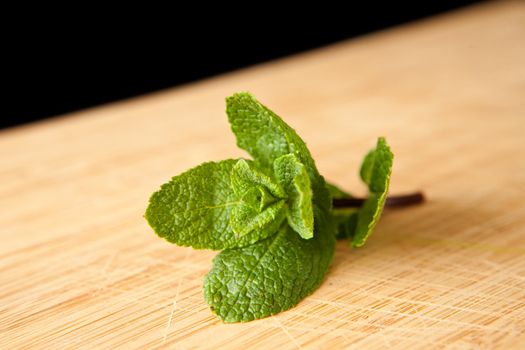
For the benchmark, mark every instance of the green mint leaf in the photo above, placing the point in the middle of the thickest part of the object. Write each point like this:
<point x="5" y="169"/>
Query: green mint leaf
<point x="294" y="179"/>
<point x="245" y="176"/>
<point x="375" y="172"/>
<point x="261" y="207"/>
<point x="263" y="133"/>
<point x="266" y="137"/>
<point x="195" y="207"/>
<point x="245" y="219"/>
<point x="271" y="275"/>
<point x="257" y="198"/>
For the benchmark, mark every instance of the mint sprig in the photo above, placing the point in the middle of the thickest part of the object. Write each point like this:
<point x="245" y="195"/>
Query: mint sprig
<point x="272" y="216"/>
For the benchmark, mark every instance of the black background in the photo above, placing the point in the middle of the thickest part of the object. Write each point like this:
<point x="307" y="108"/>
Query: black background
<point x="59" y="67"/>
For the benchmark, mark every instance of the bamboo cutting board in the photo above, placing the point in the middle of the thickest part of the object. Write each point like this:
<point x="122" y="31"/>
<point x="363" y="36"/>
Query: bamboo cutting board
<point x="80" y="268"/>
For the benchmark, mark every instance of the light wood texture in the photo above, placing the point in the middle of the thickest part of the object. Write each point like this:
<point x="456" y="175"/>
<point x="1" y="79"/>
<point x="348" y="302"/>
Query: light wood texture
<point x="80" y="268"/>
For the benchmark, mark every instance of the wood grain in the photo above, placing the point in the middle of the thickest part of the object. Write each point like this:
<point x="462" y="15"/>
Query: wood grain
<point x="80" y="268"/>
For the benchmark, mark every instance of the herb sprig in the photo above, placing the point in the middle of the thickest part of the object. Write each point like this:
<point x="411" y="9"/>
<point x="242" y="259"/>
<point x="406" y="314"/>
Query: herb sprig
<point x="274" y="218"/>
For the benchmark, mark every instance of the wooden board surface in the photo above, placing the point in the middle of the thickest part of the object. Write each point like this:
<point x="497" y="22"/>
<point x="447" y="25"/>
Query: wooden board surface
<point x="80" y="268"/>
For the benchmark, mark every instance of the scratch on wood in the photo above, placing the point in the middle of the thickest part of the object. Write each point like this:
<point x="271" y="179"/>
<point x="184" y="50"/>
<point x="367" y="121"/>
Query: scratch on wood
<point x="168" y="325"/>
<point x="281" y="326"/>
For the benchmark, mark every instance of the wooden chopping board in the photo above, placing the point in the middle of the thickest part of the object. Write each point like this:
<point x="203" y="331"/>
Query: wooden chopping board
<point x="80" y="268"/>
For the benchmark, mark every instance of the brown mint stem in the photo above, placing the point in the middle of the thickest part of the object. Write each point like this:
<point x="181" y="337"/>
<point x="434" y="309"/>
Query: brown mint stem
<point x="391" y="201"/>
